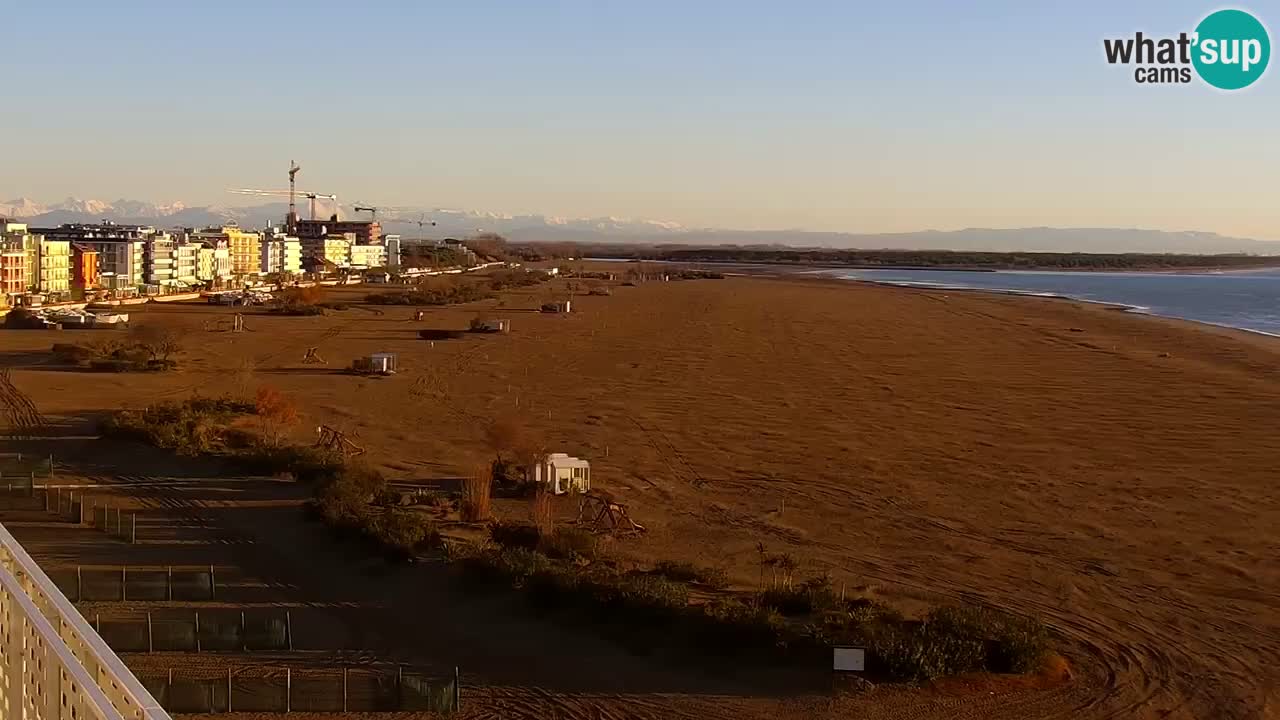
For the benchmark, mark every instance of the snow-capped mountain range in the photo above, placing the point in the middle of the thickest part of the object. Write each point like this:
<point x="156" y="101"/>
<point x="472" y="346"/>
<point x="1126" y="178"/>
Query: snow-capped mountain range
<point x="462" y="223"/>
<point x="405" y="221"/>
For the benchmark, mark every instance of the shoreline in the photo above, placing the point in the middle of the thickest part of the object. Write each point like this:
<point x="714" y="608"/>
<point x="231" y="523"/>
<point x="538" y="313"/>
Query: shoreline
<point x="1122" y="307"/>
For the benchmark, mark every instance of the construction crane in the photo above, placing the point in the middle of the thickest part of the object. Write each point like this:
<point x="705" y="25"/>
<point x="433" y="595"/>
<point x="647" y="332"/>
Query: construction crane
<point x="291" y="222"/>
<point x="421" y="222"/>
<point x="290" y="193"/>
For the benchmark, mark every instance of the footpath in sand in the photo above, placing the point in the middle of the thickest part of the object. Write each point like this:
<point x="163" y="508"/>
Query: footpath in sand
<point x="1113" y="474"/>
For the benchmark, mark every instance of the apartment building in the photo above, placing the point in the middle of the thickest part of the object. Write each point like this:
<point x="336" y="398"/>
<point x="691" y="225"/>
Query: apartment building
<point x="158" y="256"/>
<point x="392" y="243"/>
<point x="245" y="247"/>
<point x="53" y="272"/>
<point x="186" y="262"/>
<point x="84" y="263"/>
<point x="213" y="262"/>
<point x="281" y="253"/>
<point x="15" y="276"/>
<point x="329" y="251"/>
<point x="121" y="249"/>
<point x="368" y="256"/>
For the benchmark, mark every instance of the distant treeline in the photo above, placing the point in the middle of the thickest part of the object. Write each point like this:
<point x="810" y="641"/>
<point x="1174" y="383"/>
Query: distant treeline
<point x="904" y="258"/>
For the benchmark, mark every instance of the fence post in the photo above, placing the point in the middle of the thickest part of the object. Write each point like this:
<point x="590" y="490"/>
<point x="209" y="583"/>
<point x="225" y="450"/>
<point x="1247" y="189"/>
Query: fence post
<point x="82" y="505"/>
<point x="399" y="687"/>
<point x="79" y="585"/>
<point x="212" y="585"/>
<point x="124" y="583"/>
<point x="168" y="588"/>
<point x="288" y="690"/>
<point x="344" y="689"/>
<point x="288" y="630"/>
<point x="197" y="631"/>
<point x="46" y="499"/>
<point x="71" y="502"/>
<point x="244" y="633"/>
<point x="151" y="643"/>
<point x="133" y="528"/>
<point x="228" y="689"/>
<point x="457" y="689"/>
<point x="97" y="623"/>
<point x="119" y="523"/>
<point x="50" y="464"/>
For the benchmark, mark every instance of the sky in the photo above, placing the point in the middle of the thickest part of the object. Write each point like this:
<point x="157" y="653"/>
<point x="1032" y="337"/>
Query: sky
<point x="846" y="116"/>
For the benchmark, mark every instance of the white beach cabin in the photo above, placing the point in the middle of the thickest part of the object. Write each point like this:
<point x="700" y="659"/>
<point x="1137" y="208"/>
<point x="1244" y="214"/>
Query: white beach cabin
<point x="563" y="473"/>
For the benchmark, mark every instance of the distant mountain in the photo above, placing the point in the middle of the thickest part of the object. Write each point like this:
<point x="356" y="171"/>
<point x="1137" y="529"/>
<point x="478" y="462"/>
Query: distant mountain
<point x="542" y="228"/>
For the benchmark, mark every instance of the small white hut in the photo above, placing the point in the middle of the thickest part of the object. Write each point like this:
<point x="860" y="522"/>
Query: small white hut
<point x="562" y="473"/>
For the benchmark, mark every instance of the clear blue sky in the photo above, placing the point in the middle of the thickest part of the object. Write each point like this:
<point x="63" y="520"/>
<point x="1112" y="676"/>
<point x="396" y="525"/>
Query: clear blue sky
<point x="849" y="115"/>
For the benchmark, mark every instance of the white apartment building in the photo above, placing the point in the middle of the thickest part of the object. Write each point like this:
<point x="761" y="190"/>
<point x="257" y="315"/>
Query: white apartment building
<point x="368" y="256"/>
<point x="281" y="253"/>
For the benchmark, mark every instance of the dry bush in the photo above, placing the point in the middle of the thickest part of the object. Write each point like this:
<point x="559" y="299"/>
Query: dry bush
<point x="477" y="490"/>
<point x="276" y="412"/>
<point x="161" y="343"/>
<point x="542" y="513"/>
<point x="505" y="435"/>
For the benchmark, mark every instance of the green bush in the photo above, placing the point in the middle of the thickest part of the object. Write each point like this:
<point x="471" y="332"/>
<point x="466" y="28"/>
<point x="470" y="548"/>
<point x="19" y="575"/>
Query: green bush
<point x="1011" y="643"/>
<point x="813" y="595"/>
<point x="191" y="427"/>
<point x="728" y="625"/>
<point x="401" y="530"/>
<point x="715" y="578"/>
<point x="514" y="534"/>
<point x="306" y="464"/>
<point x="446" y="295"/>
<point x="567" y="543"/>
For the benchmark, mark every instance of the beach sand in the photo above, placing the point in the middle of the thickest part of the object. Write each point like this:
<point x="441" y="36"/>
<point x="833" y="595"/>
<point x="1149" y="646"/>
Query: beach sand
<point x="1110" y="473"/>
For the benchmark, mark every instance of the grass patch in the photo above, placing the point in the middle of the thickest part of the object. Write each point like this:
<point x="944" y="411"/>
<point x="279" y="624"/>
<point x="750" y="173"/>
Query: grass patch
<point x="714" y="578"/>
<point x="190" y="427"/>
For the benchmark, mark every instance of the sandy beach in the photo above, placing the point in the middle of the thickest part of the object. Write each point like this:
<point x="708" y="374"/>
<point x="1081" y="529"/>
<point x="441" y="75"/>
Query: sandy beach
<point x="1113" y="474"/>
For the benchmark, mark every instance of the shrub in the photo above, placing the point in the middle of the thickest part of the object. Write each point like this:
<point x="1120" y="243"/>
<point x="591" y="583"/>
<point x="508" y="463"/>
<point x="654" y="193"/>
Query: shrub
<point x="646" y="598"/>
<point x="276" y="412"/>
<point x="569" y="544"/>
<point x="477" y="489"/>
<point x="542" y="513"/>
<point x="190" y="427"/>
<point x="813" y="595"/>
<point x="715" y="578"/>
<point x="1012" y="644"/>
<point x="306" y="464"/>
<point x="514" y="534"/>
<point x="450" y="294"/>
<point x="434" y="334"/>
<point x="401" y="530"/>
<point x="730" y="625"/>
<point x="503" y="279"/>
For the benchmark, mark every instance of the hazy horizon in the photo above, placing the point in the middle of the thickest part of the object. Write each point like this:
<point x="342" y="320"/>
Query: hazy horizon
<point x="828" y="117"/>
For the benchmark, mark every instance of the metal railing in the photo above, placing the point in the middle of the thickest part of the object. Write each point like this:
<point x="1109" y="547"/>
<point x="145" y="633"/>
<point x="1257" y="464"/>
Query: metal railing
<point x="53" y="666"/>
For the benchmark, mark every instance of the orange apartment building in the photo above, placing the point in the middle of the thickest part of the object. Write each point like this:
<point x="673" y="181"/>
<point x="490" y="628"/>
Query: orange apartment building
<point x="84" y="274"/>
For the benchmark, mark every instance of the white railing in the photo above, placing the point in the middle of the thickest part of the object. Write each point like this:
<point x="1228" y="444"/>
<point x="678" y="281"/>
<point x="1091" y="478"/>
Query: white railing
<point x="53" y="666"/>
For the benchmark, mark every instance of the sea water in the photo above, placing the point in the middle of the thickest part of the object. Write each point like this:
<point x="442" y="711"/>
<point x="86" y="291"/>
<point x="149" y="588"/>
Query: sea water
<point x="1248" y="300"/>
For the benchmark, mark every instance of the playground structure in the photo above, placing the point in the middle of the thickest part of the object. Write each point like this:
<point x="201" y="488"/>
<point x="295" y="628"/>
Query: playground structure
<point x="336" y="441"/>
<point x="600" y="513"/>
<point x="231" y="324"/>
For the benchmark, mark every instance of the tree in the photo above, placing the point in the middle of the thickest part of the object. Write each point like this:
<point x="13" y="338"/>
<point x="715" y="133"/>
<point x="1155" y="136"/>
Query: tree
<point x="160" y="343"/>
<point x="276" y="413"/>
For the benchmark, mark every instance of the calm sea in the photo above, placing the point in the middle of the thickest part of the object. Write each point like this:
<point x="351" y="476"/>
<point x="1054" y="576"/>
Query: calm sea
<point x="1245" y="300"/>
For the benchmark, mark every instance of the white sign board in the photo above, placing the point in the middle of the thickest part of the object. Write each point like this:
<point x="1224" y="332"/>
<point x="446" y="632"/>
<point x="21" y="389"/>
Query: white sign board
<point x="849" y="659"/>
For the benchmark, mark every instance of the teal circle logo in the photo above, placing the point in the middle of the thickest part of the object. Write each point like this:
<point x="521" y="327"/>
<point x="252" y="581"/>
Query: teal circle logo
<point x="1232" y="49"/>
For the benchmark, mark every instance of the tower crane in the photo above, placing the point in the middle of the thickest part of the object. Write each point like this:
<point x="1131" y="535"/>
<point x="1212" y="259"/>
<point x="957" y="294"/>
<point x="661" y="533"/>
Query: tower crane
<point x="290" y="193"/>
